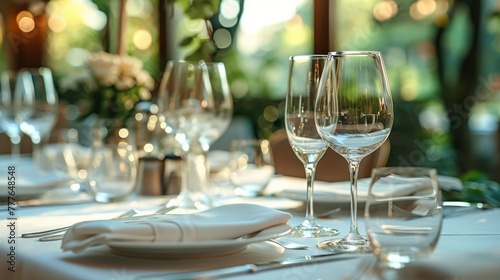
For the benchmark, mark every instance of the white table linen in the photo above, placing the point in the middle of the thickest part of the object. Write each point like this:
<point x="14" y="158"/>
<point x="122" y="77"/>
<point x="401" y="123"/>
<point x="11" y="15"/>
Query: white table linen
<point x="469" y="248"/>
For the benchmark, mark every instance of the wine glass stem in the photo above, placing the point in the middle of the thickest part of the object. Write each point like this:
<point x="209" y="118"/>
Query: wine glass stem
<point x="37" y="156"/>
<point x="310" y="170"/>
<point x="15" y="146"/>
<point x="353" y="175"/>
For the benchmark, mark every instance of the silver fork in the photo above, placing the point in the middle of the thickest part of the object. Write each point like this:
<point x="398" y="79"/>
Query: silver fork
<point x="127" y="214"/>
<point x="161" y="211"/>
<point x="60" y="236"/>
<point x="52" y="234"/>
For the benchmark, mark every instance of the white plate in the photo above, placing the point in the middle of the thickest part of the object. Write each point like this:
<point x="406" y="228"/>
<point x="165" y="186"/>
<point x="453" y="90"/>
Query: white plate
<point x="194" y="249"/>
<point x="29" y="182"/>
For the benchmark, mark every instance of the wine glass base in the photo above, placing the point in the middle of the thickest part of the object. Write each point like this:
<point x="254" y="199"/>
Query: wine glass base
<point x="356" y="244"/>
<point x="312" y="231"/>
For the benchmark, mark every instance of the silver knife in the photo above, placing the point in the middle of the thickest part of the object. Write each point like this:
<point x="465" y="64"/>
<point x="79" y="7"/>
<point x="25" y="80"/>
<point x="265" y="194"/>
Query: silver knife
<point x="246" y="268"/>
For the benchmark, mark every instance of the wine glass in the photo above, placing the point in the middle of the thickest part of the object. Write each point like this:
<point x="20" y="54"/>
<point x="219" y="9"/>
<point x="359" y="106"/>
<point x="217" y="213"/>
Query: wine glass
<point x="354" y="115"/>
<point x="10" y="115"/>
<point x="303" y="81"/>
<point x="39" y="106"/>
<point x="217" y="83"/>
<point x="197" y="106"/>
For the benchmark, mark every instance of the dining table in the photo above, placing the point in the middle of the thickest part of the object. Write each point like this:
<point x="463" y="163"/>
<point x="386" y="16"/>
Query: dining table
<point x="468" y="247"/>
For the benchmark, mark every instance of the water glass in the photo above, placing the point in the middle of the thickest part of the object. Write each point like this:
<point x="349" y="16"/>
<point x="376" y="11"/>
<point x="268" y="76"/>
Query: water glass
<point x="112" y="172"/>
<point x="403" y="214"/>
<point x="67" y="155"/>
<point x="251" y="166"/>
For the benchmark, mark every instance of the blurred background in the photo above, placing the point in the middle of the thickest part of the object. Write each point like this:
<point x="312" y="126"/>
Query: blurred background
<point x="442" y="57"/>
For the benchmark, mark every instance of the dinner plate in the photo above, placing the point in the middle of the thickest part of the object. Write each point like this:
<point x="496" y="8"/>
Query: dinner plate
<point x="29" y="182"/>
<point x="195" y="249"/>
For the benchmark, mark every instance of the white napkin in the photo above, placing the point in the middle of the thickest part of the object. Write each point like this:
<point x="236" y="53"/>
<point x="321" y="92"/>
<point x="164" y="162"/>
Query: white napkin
<point x="219" y="223"/>
<point x="293" y="187"/>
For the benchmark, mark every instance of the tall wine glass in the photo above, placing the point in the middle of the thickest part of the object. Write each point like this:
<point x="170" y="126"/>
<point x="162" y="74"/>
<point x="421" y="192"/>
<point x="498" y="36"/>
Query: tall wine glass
<point x="215" y="80"/>
<point x="39" y="106"/>
<point x="10" y="114"/>
<point x="354" y="115"/>
<point x="303" y="81"/>
<point x="197" y="106"/>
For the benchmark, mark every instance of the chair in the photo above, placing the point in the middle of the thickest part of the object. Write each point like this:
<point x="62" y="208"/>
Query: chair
<point x="331" y="168"/>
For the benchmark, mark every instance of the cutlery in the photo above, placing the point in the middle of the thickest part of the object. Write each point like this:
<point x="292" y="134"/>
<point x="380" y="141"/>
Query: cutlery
<point x="289" y="245"/>
<point x="452" y="207"/>
<point x="248" y="268"/>
<point x="128" y="214"/>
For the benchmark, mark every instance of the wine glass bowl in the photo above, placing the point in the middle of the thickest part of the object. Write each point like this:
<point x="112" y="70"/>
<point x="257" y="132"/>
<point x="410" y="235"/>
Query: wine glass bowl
<point x="218" y="88"/>
<point x="196" y="106"/>
<point x="38" y="105"/>
<point x="10" y="117"/>
<point x="354" y="116"/>
<point x="303" y="81"/>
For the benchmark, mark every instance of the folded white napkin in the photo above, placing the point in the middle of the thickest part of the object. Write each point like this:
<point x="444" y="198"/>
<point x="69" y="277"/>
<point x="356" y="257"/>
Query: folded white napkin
<point x="293" y="187"/>
<point x="219" y="223"/>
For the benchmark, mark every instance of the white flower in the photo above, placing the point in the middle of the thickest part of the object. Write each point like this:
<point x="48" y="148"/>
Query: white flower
<point x="130" y="66"/>
<point x="144" y="79"/>
<point x="105" y="67"/>
<point x="122" y="72"/>
<point x="125" y="83"/>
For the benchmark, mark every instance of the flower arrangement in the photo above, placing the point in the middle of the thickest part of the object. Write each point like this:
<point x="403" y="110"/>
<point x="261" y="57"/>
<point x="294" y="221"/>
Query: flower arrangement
<point x="111" y="85"/>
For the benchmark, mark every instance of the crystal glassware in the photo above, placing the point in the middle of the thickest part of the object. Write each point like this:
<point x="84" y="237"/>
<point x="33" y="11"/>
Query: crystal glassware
<point x="403" y="214"/>
<point x="303" y="81"/>
<point x="112" y="172"/>
<point x="354" y="116"/>
<point x="251" y="166"/>
<point x="38" y="105"/>
<point x="10" y="113"/>
<point x="196" y="107"/>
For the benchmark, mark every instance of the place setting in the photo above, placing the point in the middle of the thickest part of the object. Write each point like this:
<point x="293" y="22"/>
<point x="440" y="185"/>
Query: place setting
<point x="248" y="140"/>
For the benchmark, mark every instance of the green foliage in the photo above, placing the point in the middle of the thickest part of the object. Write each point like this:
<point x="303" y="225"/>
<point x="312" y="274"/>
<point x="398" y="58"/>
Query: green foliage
<point x="202" y="9"/>
<point x="199" y="10"/>
<point x="477" y="188"/>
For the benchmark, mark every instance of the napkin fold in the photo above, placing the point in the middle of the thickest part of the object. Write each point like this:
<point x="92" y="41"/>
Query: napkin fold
<point x="292" y="187"/>
<point x="219" y="223"/>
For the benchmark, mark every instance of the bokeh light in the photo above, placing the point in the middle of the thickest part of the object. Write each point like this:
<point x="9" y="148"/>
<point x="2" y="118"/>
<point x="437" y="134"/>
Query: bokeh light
<point x="25" y="21"/>
<point x="222" y="38"/>
<point x="229" y="9"/>
<point x="142" y="39"/>
<point x="57" y="23"/>
<point x="385" y="10"/>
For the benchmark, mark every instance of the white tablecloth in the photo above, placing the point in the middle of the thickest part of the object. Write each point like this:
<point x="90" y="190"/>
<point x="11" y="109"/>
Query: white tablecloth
<point x="469" y="248"/>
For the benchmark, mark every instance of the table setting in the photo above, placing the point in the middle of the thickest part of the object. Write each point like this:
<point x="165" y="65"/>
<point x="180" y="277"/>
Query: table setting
<point x="248" y="223"/>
